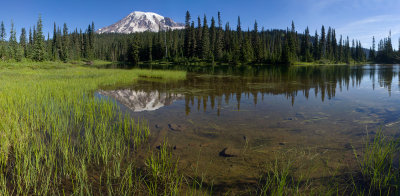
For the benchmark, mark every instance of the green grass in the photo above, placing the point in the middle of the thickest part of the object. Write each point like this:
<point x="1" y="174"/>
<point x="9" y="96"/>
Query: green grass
<point x="50" y="64"/>
<point x="378" y="175"/>
<point x="56" y="138"/>
<point x="164" y="178"/>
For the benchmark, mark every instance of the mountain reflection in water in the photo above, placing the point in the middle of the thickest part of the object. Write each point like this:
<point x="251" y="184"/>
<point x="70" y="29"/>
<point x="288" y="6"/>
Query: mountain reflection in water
<point x="139" y="101"/>
<point x="217" y="87"/>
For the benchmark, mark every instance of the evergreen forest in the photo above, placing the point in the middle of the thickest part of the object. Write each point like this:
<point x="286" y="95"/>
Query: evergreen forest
<point x="202" y="41"/>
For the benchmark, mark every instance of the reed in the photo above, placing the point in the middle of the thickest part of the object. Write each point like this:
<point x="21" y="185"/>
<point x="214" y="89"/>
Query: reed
<point x="56" y="138"/>
<point x="377" y="173"/>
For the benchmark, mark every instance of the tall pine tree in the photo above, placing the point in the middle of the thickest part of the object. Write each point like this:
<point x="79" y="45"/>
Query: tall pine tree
<point x="22" y="41"/>
<point x="205" y="42"/>
<point x="39" y="50"/>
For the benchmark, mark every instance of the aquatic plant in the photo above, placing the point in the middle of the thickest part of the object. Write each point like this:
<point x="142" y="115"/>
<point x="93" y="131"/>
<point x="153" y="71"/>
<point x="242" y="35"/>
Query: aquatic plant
<point x="376" y="163"/>
<point x="163" y="173"/>
<point x="57" y="138"/>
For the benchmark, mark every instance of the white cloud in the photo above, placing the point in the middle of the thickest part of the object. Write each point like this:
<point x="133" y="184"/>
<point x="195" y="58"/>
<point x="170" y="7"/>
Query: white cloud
<point x="321" y="5"/>
<point x="378" y="26"/>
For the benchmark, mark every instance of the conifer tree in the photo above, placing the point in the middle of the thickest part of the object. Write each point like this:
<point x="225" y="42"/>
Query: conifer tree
<point x="22" y="41"/>
<point x="86" y="44"/>
<point x="135" y="51"/>
<point x="329" y="44"/>
<point x="347" y="51"/>
<point x="91" y="40"/>
<point x="340" y="50"/>
<point x="193" y="41"/>
<point x="3" y="33"/>
<point x="213" y="37"/>
<point x="3" y="43"/>
<point x="219" y="43"/>
<point x="316" y="49"/>
<point x="188" y="36"/>
<point x="29" y="47"/>
<point x="293" y="43"/>
<point x="54" y="48"/>
<point x="246" y="50"/>
<point x="239" y="29"/>
<point x="38" y="42"/>
<point x="256" y="43"/>
<point x="322" y="44"/>
<point x="286" y="53"/>
<point x="65" y="44"/>
<point x="199" y="37"/>
<point x="13" y="44"/>
<point x="372" y="50"/>
<point x="205" y="46"/>
<point x="353" y="49"/>
<point x="306" y="47"/>
<point x="334" y="46"/>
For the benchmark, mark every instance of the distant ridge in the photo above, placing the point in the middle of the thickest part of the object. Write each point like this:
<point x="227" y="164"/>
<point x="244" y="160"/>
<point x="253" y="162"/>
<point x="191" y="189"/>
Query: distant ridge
<point x="140" y="22"/>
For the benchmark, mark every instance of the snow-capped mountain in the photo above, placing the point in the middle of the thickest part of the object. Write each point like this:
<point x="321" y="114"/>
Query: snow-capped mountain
<point x="139" y="101"/>
<point x="141" y="22"/>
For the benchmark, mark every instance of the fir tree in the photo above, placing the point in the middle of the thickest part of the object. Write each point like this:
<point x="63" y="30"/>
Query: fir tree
<point x="340" y="50"/>
<point x="205" y="42"/>
<point x="316" y="49"/>
<point x="65" y="44"/>
<point x="328" y="54"/>
<point x="372" y="50"/>
<point x="213" y="37"/>
<point x="29" y="48"/>
<point x="193" y="41"/>
<point x="219" y="43"/>
<point x="2" y="41"/>
<point x="239" y="29"/>
<point x="22" y="41"/>
<point x="256" y="43"/>
<point x="199" y="37"/>
<point x="322" y="44"/>
<point x="305" y="46"/>
<point x="54" y="48"/>
<point x="3" y="33"/>
<point x="38" y="42"/>
<point x="246" y="50"/>
<point x="188" y="36"/>
<point x="286" y="53"/>
<point x="293" y="43"/>
<point x="347" y="51"/>
<point x="135" y="51"/>
<point x="13" y="44"/>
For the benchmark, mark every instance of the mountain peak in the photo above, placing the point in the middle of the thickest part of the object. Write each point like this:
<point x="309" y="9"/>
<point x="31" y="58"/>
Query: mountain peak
<point x="138" y="21"/>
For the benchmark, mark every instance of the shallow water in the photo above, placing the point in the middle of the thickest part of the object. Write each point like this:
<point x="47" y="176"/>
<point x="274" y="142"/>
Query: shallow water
<point x="316" y="115"/>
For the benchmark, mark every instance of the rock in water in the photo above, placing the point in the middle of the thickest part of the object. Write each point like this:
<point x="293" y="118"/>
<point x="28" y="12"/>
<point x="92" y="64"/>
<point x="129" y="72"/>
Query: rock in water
<point x="174" y="127"/>
<point x="224" y="154"/>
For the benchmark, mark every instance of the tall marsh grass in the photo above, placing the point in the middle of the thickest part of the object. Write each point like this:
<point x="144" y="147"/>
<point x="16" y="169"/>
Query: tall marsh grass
<point x="379" y="175"/>
<point x="56" y="138"/>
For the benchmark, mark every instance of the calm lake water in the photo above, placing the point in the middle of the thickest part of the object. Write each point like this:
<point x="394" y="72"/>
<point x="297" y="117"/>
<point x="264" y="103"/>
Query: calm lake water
<point x="314" y="114"/>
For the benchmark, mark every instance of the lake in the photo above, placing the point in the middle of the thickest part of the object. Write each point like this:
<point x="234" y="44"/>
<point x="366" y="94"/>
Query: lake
<point x="226" y="124"/>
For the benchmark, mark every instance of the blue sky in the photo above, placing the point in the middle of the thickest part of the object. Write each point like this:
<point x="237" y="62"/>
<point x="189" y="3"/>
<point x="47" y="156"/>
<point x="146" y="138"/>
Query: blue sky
<point x="360" y="19"/>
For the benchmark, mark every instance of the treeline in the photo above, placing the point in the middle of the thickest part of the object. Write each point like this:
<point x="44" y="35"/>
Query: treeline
<point x="214" y="43"/>
<point x="196" y="43"/>
<point x="386" y="53"/>
<point x="64" y="45"/>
